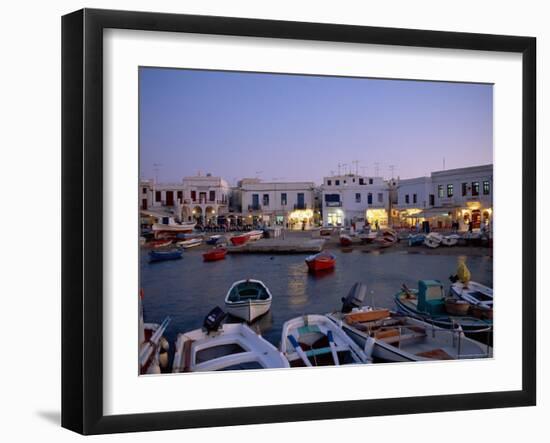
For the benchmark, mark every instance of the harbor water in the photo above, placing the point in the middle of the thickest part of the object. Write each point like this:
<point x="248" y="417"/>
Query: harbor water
<point x="187" y="289"/>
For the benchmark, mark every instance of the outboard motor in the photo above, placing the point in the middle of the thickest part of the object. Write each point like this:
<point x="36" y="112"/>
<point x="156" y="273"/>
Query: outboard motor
<point x="356" y="297"/>
<point x="214" y="319"/>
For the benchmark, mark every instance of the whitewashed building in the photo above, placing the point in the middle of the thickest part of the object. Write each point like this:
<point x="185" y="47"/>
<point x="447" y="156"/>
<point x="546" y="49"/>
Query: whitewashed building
<point x="278" y="203"/>
<point x="204" y="198"/>
<point x="353" y="198"/>
<point x="455" y="195"/>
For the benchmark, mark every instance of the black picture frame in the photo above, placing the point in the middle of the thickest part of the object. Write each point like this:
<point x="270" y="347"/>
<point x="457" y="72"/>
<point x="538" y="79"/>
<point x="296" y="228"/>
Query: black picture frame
<point x="82" y="232"/>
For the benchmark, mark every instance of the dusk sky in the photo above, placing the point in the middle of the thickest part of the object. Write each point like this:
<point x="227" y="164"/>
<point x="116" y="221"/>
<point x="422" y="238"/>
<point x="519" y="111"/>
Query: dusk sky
<point x="292" y="127"/>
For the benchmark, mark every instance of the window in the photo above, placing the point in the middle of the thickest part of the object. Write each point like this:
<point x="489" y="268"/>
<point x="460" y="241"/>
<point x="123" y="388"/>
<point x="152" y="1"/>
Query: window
<point x="193" y="195"/>
<point x="157" y="196"/>
<point x="407" y="198"/>
<point x="380" y="197"/>
<point x="449" y="190"/>
<point x="345" y="182"/>
<point x="337" y="182"/>
<point x="464" y="189"/>
<point x="369" y="198"/>
<point x="361" y="181"/>
<point x="475" y="188"/>
<point x="255" y="201"/>
<point x="432" y="200"/>
<point x="357" y="197"/>
<point x="370" y="181"/>
<point x="265" y="200"/>
<point x="353" y="180"/>
<point x="144" y="191"/>
<point x="486" y="187"/>
<point x="440" y="191"/>
<point x="414" y="198"/>
<point x="283" y="198"/>
<point x="212" y="196"/>
<point x="329" y="182"/>
<point x="180" y="196"/>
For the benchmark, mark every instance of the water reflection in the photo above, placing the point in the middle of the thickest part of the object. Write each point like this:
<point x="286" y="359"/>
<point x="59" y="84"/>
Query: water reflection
<point x="188" y="289"/>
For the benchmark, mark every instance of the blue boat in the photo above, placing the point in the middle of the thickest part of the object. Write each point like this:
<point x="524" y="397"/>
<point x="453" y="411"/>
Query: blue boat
<point x="428" y="303"/>
<point x="155" y="256"/>
<point x="416" y="239"/>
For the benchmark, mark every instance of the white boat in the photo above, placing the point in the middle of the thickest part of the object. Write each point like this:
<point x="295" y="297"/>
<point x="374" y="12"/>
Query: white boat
<point x="192" y="242"/>
<point x="433" y="240"/>
<point x="315" y="340"/>
<point x="248" y="299"/>
<point x="450" y="240"/>
<point x="474" y="293"/>
<point x="399" y="338"/>
<point x="255" y="235"/>
<point x="169" y="225"/>
<point x="224" y="347"/>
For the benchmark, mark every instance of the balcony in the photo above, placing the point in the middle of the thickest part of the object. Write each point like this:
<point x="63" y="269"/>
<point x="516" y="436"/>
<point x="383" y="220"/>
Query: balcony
<point x="254" y="207"/>
<point x="300" y="206"/>
<point x="333" y="204"/>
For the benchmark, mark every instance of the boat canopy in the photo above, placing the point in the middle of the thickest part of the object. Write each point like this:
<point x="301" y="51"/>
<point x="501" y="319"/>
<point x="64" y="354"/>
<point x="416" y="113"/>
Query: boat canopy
<point x="431" y="297"/>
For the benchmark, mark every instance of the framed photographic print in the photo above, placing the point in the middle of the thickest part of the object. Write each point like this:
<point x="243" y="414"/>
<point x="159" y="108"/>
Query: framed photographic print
<point x="269" y="221"/>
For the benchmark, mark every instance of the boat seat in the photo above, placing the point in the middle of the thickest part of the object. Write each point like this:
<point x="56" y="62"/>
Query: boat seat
<point x="437" y="354"/>
<point x="309" y="329"/>
<point x="316" y="352"/>
<point x="401" y="338"/>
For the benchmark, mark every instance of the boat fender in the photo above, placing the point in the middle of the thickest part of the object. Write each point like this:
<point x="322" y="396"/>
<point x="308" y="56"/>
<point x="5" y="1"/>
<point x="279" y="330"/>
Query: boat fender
<point x="369" y="347"/>
<point x="164" y="345"/>
<point x="163" y="360"/>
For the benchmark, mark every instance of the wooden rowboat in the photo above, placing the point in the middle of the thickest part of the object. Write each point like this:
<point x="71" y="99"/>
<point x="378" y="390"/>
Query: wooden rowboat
<point x="320" y="262"/>
<point x="215" y="254"/>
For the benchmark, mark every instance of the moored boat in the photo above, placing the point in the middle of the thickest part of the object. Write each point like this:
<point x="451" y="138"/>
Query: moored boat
<point x="398" y="338"/>
<point x="248" y="299"/>
<point x="345" y="240"/>
<point x="156" y="256"/>
<point x="321" y="262"/>
<point x="474" y="293"/>
<point x="215" y="239"/>
<point x="191" y="243"/>
<point x="315" y="340"/>
<point x="416" y="239"/>
<point x="240" y="239"/>
<point x="255" y="235"/>
<point x="221" y="347"/>
<point x="367" y="237"/>
<point x="433" y="240"/>
<point x="450" y="240"/>
<point x="428" y="304"/>
<point x="168" y="225"/>
<point x="215" y="254"/>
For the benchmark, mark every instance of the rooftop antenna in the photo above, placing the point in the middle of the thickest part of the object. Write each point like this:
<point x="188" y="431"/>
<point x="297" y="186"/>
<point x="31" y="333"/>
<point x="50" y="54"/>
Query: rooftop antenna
<point x="339" y="165"/>
<point x="344" y="165"/>
<point x="443" y="163"/>
<point x="363" y="169"/>
<point x="258" y="173"/>
<point x="376" y="169"/>
<point x="332" y="173"/>
<point x="392" y="169"/>
<point x="356" y="163"/>
<point x="156" y="169"/>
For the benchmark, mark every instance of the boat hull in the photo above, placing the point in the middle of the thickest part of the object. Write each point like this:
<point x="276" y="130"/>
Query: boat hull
<point x="215" y="255"/>
<point x="249" y="310"/>
<point x="446" y="322"/>
<point x="324" y="262"/>
<point x="238" y="240"/>
<point x="157" y="256"/>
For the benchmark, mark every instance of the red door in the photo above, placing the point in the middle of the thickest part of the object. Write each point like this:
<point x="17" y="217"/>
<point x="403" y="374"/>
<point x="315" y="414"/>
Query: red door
<point x="169" y="198"/>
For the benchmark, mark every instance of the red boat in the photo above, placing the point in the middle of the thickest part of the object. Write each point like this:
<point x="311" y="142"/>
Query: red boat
<point x="159" y="243"/>
<point x="215" y="254"/>
<point x="345" y="240"/>
<point x="240" y="239"/>
<point x="320" y="262"/>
